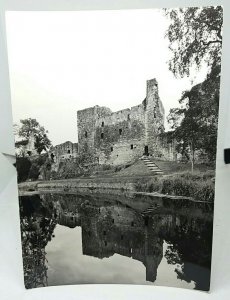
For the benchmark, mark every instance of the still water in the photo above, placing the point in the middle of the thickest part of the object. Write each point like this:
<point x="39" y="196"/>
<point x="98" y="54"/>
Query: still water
<point x="78" y="239"/>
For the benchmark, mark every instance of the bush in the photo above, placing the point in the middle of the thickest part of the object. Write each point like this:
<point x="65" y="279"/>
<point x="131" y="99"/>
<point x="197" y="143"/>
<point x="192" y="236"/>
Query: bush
<point x="118" y="168"/>
<point x="198" y="186"/>
<point x="34" y="172"/>
<point x="106" y="167"/>
<point x="23" y="165"/>
<point x="148" y="185"/>
<point x="141" y="185"/>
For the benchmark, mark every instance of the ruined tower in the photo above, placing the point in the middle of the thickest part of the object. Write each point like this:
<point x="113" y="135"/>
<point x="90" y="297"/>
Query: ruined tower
<point x="116" y="138"/>
<point x="86" y="123"/>
<point x="154" y="118"/>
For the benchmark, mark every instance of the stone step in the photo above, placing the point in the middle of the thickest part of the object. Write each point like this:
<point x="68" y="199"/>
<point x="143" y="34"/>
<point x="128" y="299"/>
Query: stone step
<point x="152" y="166"/>
<point x="155" y="166"/>
<point x="150" y="209"/>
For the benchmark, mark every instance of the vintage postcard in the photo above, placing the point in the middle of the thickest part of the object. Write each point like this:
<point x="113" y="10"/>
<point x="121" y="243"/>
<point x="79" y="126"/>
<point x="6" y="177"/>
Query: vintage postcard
<point x="115" y="119"/>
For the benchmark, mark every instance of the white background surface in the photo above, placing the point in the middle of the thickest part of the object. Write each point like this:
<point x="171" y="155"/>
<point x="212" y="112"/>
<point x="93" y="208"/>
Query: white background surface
<point x="11" y="272"/>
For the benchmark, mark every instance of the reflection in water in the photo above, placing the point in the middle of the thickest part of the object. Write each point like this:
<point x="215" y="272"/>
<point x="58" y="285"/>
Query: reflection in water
<point x="159" y="234"/>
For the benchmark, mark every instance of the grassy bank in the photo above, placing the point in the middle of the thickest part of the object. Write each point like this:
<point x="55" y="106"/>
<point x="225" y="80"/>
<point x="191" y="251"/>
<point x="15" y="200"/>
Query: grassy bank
<point x="199" y="185"/>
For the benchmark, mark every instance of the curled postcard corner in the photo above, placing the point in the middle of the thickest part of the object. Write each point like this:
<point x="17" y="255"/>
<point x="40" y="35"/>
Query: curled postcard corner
<point x="7" y="170"/>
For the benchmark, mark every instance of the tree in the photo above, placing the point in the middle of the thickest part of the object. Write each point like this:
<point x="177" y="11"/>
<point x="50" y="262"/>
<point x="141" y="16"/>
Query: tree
<point x="187" y="133"/>
<point x="30" y="128"/>
<point x="195" y="122"/>
<point x="195" y="37"/>
<point x="23" y="166"/>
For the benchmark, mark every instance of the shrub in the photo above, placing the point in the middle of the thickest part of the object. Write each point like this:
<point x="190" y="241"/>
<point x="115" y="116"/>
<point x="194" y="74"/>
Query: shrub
<point x="141" y="185"/>
<point x="106" y="167"/>
<point x="23" y="165"/>
<point x="34" y="172"/>
<point x="198" y="186"/>
<point x="148" y="185"/>
<point x="118" y="168"/>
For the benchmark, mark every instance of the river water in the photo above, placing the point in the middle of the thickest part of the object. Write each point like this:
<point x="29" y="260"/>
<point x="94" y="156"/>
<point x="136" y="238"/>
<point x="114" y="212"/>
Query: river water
<point x="79" y="239"/>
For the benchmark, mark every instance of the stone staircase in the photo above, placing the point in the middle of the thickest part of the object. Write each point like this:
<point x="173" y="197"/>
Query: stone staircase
<point x="152" y="166"/>
<point x="150" y="210"/>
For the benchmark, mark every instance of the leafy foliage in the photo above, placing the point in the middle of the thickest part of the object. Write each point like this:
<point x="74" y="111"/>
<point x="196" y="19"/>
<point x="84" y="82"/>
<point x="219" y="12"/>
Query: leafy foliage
<point x="28" y="169"/>
<point x="36" y="231"/>
<point x="23" y="166"/>
<point x="198" y="185"/>
<point x="195" y="123"/>
<point x="195" y="37"/>
<point x="31" y="127"/>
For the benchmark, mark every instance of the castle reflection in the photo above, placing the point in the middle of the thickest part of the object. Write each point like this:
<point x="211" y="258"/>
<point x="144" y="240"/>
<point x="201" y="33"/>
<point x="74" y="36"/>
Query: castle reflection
<point x="132" y="227"/>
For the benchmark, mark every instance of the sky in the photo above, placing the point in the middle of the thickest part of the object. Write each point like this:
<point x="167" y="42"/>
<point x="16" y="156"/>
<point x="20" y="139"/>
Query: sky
<point x="61" y="62"/>
<point x="64" y="255"/>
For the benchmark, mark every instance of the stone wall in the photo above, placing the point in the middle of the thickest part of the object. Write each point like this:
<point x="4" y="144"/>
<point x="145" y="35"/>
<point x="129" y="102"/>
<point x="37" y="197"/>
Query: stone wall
<point x="86" y="123"/>
<point x="154" y="118"/>
<point x="94" y="185"/>
<point x="116" y="138"/>
<point x="26" y="147"/>
<point x="119" y="137"/>
<point x="65" y="151"/>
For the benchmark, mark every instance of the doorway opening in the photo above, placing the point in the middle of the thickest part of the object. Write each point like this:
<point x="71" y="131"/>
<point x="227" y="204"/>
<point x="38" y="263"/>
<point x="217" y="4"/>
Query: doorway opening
<point x="146" y="151"/>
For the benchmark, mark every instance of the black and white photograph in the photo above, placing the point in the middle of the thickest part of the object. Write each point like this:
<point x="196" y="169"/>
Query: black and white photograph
<point x="115" y="121"/>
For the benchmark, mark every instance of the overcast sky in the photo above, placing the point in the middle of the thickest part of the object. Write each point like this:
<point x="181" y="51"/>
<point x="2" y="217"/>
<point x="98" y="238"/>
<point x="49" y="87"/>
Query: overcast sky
<point x="61" y="62"/>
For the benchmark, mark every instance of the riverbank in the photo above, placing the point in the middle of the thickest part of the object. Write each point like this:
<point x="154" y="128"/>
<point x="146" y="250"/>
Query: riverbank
<point x="196" y="186"/>
<point x="106" y="185"/>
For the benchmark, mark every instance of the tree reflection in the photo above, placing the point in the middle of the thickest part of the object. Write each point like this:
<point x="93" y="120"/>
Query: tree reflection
<point x="191" y="245"/>
<point x="110" y="226"/>
<point x="36" y="232"/>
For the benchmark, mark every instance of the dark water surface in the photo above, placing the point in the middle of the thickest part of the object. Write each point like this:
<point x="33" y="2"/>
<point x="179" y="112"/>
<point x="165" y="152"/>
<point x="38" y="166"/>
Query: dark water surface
<point x="76" y="239"/>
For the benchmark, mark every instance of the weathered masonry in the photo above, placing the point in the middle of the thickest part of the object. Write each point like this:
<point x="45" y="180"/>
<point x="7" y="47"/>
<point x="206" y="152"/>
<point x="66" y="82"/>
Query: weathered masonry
<point x="119" y="137"/>
<point x="63" y="152"/>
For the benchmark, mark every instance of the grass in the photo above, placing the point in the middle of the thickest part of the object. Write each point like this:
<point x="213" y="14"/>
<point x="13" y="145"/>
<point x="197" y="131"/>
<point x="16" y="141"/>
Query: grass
<point x="198" y="185"/>
<point x="169" y="167"/>
<point x="137" y="168"/>
<point x="178" y="179"/>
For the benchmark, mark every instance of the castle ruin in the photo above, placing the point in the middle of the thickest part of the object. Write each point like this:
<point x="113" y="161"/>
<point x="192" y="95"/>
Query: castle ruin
<point x="64" y="151"/>
<point x="115" y="138"/>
